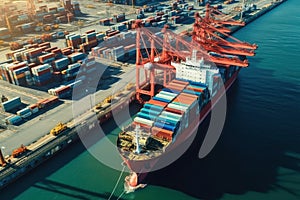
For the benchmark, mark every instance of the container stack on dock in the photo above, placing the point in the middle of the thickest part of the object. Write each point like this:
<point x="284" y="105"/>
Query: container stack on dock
<point x="11" y="104"/>
<point x="39" y="64"/>
<point x="42" y="74"/>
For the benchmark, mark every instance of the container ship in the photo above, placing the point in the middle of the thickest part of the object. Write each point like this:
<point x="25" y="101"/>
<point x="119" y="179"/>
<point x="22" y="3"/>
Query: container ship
<point x="193" y="84"/>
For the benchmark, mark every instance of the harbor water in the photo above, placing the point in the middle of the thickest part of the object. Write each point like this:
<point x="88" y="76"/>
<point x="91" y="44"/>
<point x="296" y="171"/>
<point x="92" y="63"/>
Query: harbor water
<point x="256" y="158"/>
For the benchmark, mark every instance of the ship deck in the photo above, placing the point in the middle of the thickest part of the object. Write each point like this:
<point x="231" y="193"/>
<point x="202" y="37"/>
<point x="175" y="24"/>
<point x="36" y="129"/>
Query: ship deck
<point x="152" y="147"/>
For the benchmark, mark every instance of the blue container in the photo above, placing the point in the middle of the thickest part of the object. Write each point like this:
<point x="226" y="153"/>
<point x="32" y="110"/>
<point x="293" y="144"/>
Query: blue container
<point x="168" y="121"/>
<point x="63" y="62"/>
<point x="74" y="37"/>
<point x="146" y="116"/>
<point x="91" y="35"/>
<point x="171" y="90"/>
<point x="14" y="120"/>
<point x="21" y="70"/>
<point x="75" y="58"/>
<point x="197" y="86"/>
<point x="23" y="111"/>
<point x="192" y="92"/>
<point x="73" y="70"/>
<point x="11" y="104"/>
<point x="150" y="112"/>
<point x="161" y="99"/>
<point x="165" y="126"/>
<point x="193" y="83"/>
<point x="153" y="107"/>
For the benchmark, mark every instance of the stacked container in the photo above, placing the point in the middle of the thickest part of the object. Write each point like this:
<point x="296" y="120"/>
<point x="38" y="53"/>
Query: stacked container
<point x="61" y="92"/>
<point x="44" y="103"/>
<point x="13" y="120"/>
<point x="104" y="22"/>
<point x="61" y="64"/>
<point x="47" y="58"/>
<point x="33" y="108"/>
<point x="118" y="53"/>
<point x="24" y="113"/>
<point x="42" y="74"/>
<point x="76" y="57"/>
<point x="73" y="40"/>
<point x="11" y="104"/>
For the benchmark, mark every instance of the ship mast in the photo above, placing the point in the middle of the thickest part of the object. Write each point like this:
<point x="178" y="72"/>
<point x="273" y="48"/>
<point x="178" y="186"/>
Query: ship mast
<point x="138" y="149"/>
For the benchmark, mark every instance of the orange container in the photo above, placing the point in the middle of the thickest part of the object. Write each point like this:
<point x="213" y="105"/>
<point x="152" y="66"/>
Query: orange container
<point x="175" y="111"/>
<point x="158" y="103"/>
<point x="189" y="95"/>
<point x="180" y="82"/>
<point x="162" y="133"/>
<point x="194" y="89"/>
<point x="142" y="126"/>
<point x="176" y="88"/>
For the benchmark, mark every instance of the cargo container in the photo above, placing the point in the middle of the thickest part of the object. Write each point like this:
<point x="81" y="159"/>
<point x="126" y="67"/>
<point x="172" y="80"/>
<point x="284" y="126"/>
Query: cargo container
<point x="61" y="64"/>
<point x="24" y="113"/>
<point x="162" y="133"/>
<point x="76" y="56"/>
<point x="161" y="99"/>
<point x="146" y="116"/>
<point x="33" y="108"/>
<point x="14" y="120"/>
<point x="153" y="107"/>
<point x="11" y="104"/>
<point x="150" y="112"/>
<point x="144" y="121"/>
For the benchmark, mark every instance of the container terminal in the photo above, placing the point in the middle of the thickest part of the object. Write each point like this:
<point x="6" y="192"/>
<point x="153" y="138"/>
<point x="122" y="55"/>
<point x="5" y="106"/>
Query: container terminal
<point x="52" y="50"/>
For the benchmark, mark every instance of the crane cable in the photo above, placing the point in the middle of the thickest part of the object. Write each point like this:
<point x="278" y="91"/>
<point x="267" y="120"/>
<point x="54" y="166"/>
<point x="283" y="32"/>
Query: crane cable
<point x="117" y="184"/>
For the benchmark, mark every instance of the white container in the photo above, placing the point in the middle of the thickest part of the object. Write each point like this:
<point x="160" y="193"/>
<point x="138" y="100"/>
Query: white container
<point x="144" y="121"/>
<point x="177" y="107"/>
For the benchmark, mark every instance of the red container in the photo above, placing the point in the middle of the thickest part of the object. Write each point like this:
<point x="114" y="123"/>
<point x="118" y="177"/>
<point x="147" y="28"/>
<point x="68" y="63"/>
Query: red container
<point x="45" y="57"/>
<point x="66" y="52"/>
<point x="17" y="66"/>
<point x="31" y="65"/>
<point x="32" y="106"/>
<point x="35" y="52"/>
<point x="62" y="90"/>
<point x="42" y="72"/>
<point x="56" y="51"/>
<point x="194" y="89"/>
<point x="90" y="31"/>
<point x="45" y="44"/>
<point x="175" y="111"/>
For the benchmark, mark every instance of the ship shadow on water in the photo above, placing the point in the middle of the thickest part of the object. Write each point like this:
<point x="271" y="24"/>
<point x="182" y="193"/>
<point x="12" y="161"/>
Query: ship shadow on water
<point x="243" y="160"/>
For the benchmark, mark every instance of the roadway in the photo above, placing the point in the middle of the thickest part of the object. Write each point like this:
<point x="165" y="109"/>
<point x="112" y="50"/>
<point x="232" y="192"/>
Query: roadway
<point x="32" y="130"/>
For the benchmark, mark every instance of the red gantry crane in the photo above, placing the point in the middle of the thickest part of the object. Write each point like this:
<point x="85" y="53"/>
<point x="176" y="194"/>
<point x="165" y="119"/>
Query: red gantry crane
<point x="209" y="32"/>
<point x="154" y="53"/>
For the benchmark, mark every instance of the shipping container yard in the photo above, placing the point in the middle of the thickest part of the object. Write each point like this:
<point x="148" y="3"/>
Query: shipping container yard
<point x="53" y="51"/>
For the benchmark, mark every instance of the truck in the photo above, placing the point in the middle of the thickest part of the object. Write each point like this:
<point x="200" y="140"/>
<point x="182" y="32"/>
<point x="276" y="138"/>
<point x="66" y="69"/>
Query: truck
<point x="60" y="127"/>
<point x="19" y="151"/>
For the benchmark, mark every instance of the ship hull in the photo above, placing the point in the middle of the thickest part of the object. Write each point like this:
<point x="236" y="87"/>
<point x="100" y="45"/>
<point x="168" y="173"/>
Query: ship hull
<point x="142" y="167"/>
